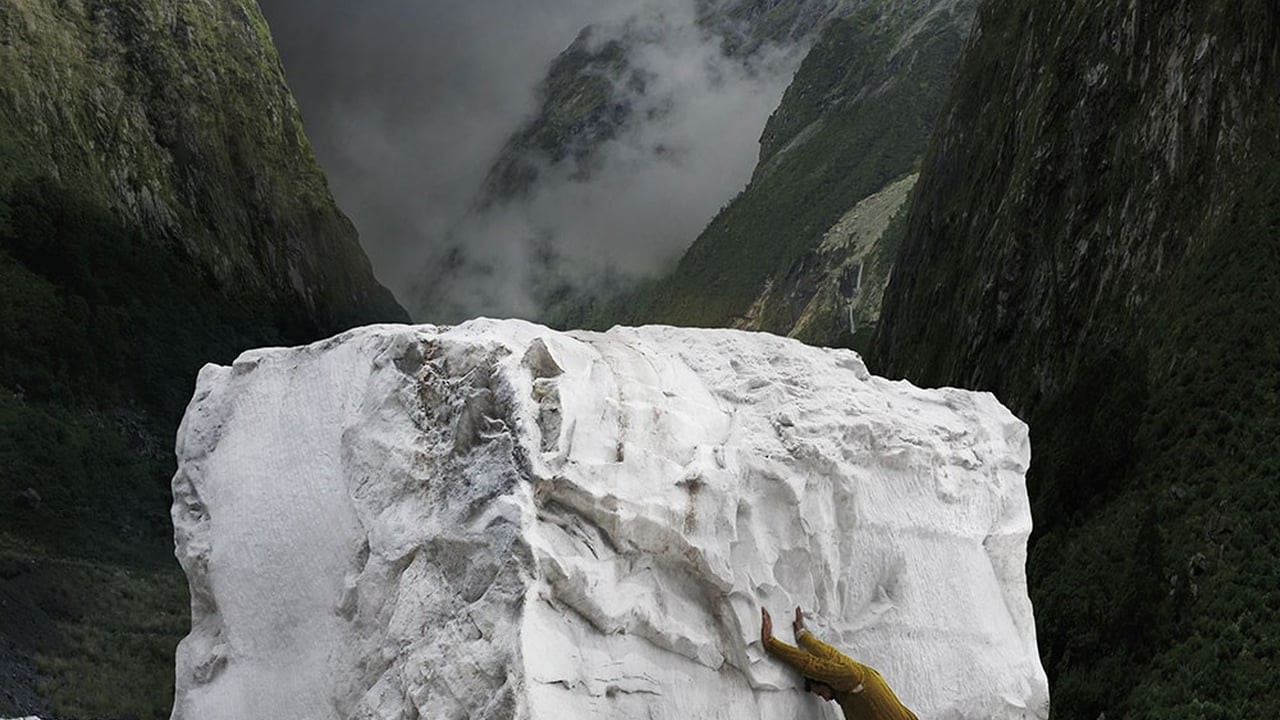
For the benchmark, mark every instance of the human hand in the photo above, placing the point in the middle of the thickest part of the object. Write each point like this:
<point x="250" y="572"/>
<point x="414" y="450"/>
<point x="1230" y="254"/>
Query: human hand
<point x="766" y="625"/>
<point x="798" y="624"/>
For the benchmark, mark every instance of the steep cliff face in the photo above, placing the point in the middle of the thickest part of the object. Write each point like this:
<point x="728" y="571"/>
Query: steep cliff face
<point x="798" y="252"/>
<point x="177" y="116"/>
<point x="160" y="208"/>
<point x="1096" y="155"/>
<point x="1093" y="237"/>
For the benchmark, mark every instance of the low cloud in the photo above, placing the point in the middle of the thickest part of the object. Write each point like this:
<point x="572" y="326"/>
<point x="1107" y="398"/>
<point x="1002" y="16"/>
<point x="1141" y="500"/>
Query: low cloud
<point x="409" y="105"/>
<point x="408" y="102"/>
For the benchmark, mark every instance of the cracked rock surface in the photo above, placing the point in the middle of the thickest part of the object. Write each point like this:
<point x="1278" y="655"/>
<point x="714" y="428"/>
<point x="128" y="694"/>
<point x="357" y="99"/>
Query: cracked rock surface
<point x="497" y="520"/>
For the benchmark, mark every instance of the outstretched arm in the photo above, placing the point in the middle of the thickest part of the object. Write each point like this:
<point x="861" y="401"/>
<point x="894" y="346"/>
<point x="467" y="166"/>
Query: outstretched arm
<point x="811" y="643"/>
<point x="835" y="670"/>
<point x="838" y="672"/>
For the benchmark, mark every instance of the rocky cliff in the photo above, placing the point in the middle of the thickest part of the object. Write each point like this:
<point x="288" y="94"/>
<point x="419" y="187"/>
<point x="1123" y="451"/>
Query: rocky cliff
<point x="177" y="117"/>
<point x="1093" y="237"/>
<point x="159" y="208"/>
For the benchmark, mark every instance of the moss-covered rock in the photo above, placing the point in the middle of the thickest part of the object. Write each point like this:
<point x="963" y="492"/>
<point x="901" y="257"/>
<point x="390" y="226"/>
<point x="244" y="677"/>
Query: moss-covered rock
<point x="177" y="116"/>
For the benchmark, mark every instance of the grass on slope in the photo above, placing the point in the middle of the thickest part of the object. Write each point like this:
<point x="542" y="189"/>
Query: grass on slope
<point x="104" y="633"/>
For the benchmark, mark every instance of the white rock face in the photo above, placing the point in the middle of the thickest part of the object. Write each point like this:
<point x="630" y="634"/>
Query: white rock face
<point x="496" y="520"/>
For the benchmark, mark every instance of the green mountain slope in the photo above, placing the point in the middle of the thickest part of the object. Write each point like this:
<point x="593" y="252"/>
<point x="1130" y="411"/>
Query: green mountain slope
<point x="1094" y="237"/>
<point x="160" y="208"/>
<point x="854" y="122"/>
<point x="177" y="118"/>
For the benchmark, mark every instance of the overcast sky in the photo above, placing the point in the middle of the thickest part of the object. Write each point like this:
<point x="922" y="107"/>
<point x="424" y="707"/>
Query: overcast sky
<point x="408" y="102"/>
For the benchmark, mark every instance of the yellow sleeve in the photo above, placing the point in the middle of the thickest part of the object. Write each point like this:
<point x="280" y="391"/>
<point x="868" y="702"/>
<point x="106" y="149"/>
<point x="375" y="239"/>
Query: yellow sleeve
<point x="814" y="646"/>
<point x="839" y="672"/>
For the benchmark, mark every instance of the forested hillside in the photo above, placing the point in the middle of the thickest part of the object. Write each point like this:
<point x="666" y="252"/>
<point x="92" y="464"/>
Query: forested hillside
<point x="1095" y="237"/>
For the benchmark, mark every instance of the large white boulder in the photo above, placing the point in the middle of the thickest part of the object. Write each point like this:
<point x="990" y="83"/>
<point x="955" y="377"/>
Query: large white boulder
<point x="497" y="520"/>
